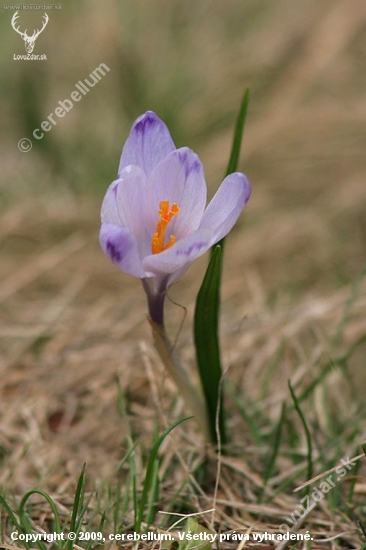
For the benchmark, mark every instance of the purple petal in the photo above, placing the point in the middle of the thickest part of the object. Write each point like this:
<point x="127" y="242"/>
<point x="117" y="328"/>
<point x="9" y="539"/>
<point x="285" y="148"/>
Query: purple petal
<point x="173" y="277"/>
<point x="179" y="178"/>
<point x="224" y="209"/>
<point x="109" y="212"/>
<point x="118" y="244"/>
<point x="148" y="144"/>
<point x="130" y="196"/>
<point x="180" y="255"/>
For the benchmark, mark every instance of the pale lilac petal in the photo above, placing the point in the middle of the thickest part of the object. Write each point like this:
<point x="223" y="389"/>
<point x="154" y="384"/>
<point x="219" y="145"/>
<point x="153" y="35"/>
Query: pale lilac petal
<point x="130" y="196"/>
<point x="181" y="254"/>
<point x="152" y="170"/>
<point x="224" y="209"/>
<point x="109" y="212"/>
<point x="148" y="144"/>
<point x="173" y="277"/>
<point x="179" y="178"/>
<point x="119" y="245"/>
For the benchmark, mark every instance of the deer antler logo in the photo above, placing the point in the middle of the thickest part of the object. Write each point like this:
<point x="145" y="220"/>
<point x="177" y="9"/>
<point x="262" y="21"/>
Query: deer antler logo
<point x="29" y="40"/>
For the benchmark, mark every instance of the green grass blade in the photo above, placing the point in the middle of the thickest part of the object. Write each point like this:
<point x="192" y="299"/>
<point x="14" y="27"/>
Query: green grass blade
<point x="248" y="412"/>
<point x="355" y="291"/>
<point x="276" y="447"/>
<point x="29" y="529"/>
<point x="133" y="484"/>
<point x="121" y="401"/>
<point x="307" y="434"/>
<point x="271" y="370"/>
<point x="116" y="498"/>
<point x="27" y="524"/>
<point x="206" y="327"/>
<point x="101" y="528"/>
<point x="77" y="507"/>
<point x="130" y="451"/>
<point x="153" y="495"/>
<point x="80" y="519"/>
<point x="151" y="472"/>
<point x="130" y="486"/>
<point x="13" y="519"/>
<point x="340" y="362"/>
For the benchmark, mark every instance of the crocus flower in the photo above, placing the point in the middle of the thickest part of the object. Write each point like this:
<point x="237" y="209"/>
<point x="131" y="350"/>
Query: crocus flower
<point x="155" y="221"/>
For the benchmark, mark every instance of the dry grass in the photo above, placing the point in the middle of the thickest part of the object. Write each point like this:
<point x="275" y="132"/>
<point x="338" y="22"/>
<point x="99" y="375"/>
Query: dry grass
<point x="293" y="299"/>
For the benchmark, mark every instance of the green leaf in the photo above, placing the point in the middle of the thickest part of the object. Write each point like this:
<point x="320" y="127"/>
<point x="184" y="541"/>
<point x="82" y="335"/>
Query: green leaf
<point x="206" y="326"/>
<point x="206" y="317"/>
<point x="238" y="135"/>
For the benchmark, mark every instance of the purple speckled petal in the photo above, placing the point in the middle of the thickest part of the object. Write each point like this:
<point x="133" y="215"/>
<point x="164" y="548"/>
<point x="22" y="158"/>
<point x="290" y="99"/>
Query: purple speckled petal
<point x="181" y="254"/>
<point x="179" y="178"/>
<point x="224" y="209"/>
<point x="148" y="144"/>
<point x="118" y="244"/>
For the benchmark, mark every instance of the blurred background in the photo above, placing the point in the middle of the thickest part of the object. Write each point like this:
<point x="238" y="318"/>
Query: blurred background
<point x="190" y="62"/>
<point x="292" y="261"/>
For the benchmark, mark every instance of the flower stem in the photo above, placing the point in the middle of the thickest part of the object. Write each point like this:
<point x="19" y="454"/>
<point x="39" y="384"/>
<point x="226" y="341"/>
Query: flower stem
<point x="180" y="377"/>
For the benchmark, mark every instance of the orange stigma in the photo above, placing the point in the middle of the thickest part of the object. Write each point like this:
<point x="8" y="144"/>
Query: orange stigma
<point x="158" y="238"/>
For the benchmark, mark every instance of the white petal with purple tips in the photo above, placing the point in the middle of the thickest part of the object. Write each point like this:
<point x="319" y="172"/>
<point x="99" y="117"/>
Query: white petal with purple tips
<point x="157" y="204"/>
